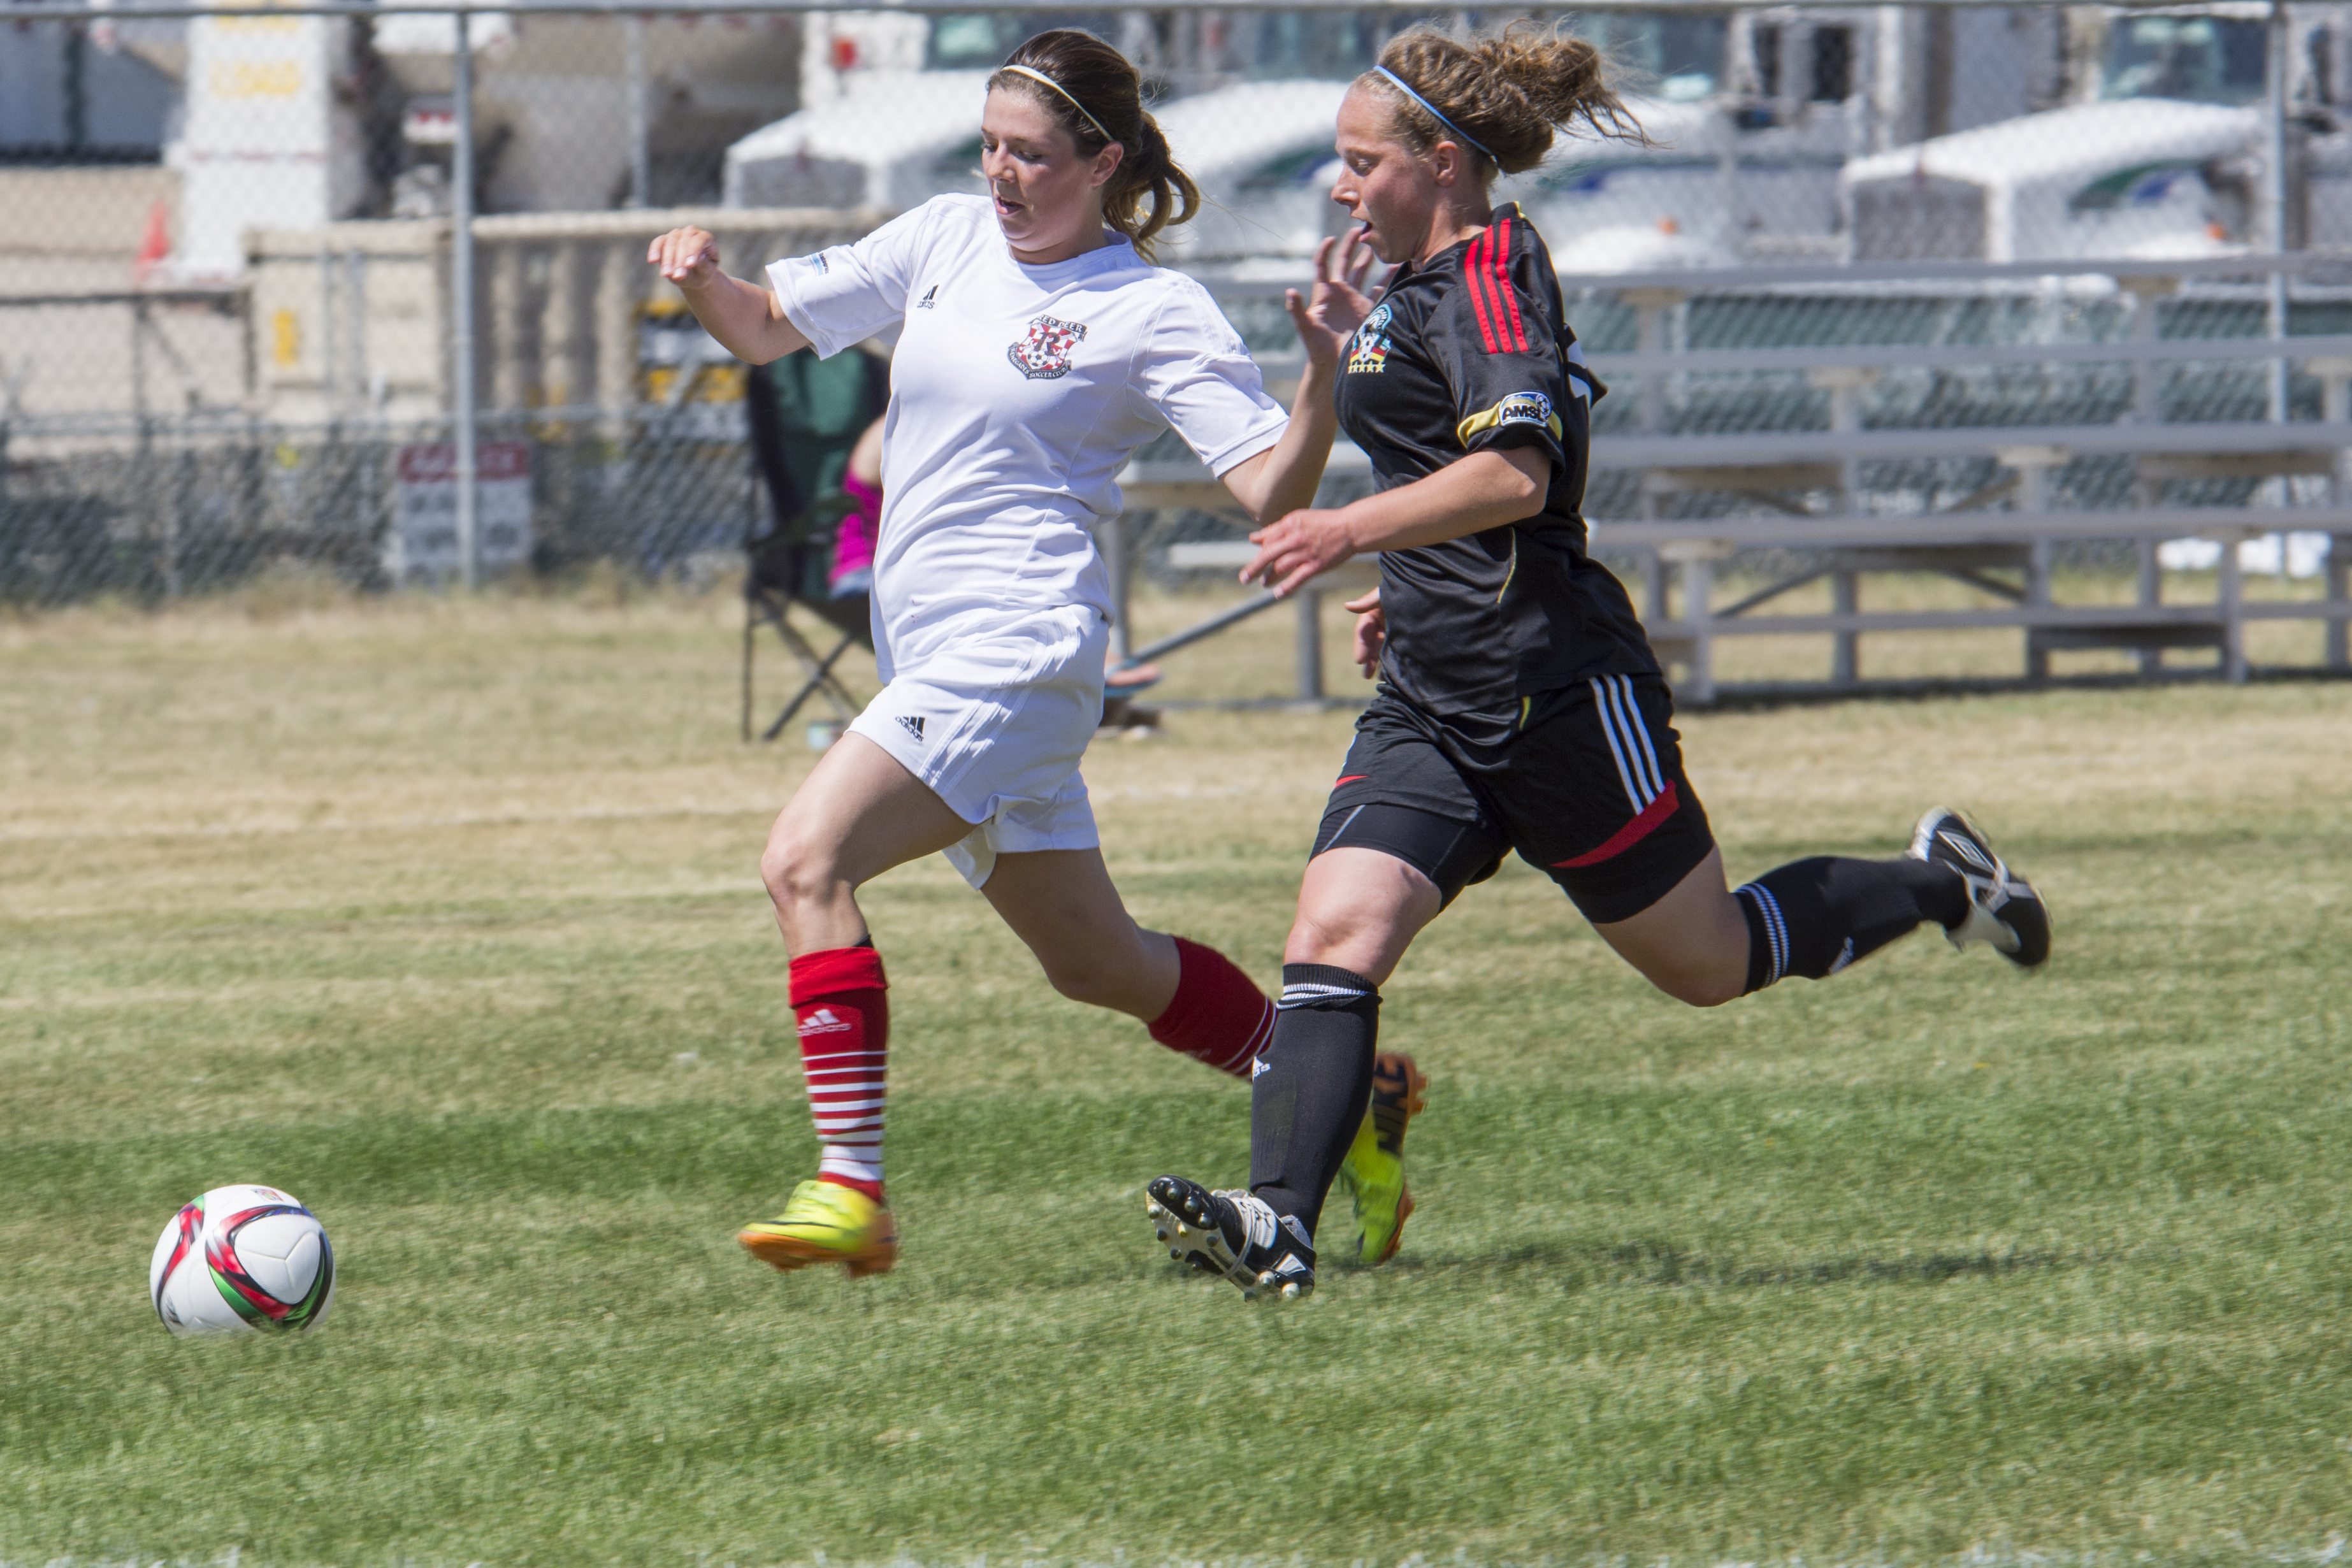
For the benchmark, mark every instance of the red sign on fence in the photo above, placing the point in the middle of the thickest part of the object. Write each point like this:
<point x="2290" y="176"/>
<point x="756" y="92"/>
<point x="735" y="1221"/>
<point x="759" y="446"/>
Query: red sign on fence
<point x="424" y="541"/>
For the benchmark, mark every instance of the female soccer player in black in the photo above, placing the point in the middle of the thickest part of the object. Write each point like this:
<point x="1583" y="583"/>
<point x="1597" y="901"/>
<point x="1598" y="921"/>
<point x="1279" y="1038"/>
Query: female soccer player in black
<point x="1520" y="707"/>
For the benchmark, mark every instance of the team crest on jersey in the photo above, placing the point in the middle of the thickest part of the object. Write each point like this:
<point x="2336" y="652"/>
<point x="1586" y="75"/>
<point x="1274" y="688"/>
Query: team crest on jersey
<point x="1045" y="354"/>
<point x="1369" y="355"/>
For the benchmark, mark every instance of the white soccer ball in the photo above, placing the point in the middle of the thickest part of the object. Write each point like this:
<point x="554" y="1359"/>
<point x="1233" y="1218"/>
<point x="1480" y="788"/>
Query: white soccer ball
<point x="241" y="1259"/>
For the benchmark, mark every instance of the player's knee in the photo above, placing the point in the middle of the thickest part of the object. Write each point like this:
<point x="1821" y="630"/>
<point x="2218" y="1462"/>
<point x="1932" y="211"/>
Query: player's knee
<point x="1315" y="939"/>
<point x="1701" y="986"/>
<point x="1342" y="938"/>
<point x="797" y="873"/>
<point x="1089" y="976"/>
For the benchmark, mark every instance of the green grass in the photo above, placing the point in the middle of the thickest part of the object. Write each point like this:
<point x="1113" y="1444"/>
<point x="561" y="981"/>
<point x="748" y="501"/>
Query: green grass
<point x="443" y="916"/>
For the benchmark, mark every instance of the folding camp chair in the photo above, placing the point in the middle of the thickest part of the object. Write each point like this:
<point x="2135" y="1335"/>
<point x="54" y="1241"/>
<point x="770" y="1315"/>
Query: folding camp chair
<point x="806" y="414"/>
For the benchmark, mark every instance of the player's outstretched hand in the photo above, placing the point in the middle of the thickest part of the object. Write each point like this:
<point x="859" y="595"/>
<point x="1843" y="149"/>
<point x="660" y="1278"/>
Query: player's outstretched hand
<point x="1371" y="632"/>
<point x="687" y="257"/>
<point x="1298" y="548"/>
<point x="1336" y="304"/>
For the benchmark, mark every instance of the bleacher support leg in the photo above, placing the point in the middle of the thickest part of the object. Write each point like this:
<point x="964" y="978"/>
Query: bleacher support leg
<point x="1845" y="656"/>
<point x="1310" y="645"/>
<point x="2151" y="594"/>
<point x="2232" y="605"/>
<point x="2339" y="598"/>
<point x="1117" y="545"/>
<point x="1698" y="591"/>
<point x="2037" y="594"/>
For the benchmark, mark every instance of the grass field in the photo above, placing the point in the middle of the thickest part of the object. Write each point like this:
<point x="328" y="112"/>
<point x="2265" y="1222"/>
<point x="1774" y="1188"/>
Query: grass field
<point x="444" y="917"/>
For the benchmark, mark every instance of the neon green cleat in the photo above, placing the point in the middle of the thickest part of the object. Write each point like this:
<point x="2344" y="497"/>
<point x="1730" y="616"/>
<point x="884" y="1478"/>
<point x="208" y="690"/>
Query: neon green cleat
<point x="827" y="1223"/>
<point x="1373" y="1172"/>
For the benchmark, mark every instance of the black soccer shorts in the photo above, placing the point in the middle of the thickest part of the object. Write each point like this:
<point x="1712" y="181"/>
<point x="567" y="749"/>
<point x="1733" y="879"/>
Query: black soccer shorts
<point x="1586" y="783"/>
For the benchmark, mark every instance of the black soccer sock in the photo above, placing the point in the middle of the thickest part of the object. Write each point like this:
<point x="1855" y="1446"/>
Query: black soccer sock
<point x="1813" y="917"/>
<point x="1313" y="1083"/>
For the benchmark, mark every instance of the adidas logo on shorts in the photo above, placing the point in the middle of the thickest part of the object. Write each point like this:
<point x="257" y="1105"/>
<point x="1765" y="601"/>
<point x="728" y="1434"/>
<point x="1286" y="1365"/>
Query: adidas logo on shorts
<point x="913" y="726"/>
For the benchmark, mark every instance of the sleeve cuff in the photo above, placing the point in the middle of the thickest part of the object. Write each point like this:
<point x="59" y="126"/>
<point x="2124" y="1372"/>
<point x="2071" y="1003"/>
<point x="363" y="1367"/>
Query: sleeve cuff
<point x="1262" y="439"/>
<point x="796" y="311"/>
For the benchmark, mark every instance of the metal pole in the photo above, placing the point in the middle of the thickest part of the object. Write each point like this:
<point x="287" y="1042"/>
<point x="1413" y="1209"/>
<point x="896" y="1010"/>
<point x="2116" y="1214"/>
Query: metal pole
<point x="641" y="156"/>
<point x="330" y="387"/>
<point x="2275" y="191"/>
<point x="461" y="312"/>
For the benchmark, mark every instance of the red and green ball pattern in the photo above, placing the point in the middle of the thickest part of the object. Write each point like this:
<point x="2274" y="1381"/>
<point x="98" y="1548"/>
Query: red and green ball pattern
<point x="251" y="1302"/>
<point x="191" y="1222"/>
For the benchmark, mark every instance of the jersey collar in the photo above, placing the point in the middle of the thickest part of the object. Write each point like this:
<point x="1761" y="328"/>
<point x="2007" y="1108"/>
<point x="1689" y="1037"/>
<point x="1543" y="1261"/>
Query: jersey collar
<point x="1453" y="252"/>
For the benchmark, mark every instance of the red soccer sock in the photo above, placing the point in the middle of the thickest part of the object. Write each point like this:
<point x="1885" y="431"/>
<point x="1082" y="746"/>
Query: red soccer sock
<point x="842" y="1004"/>
<point x="1218" y="1015"/>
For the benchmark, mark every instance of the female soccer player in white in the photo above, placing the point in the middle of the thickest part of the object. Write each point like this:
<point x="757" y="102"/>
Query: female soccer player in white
<point x="1520" y="707"/>
<point x="1039" y="348"/>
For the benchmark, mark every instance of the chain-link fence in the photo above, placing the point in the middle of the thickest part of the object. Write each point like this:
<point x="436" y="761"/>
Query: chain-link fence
<point x="362" y="285"/>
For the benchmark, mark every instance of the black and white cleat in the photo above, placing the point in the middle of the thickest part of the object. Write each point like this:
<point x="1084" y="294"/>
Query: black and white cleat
<point x="1231" y="1234"/>
<point x="2004" y="909"/>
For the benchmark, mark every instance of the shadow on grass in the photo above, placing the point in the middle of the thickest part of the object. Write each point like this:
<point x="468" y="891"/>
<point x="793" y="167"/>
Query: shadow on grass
<point x="1583" y="1265"/>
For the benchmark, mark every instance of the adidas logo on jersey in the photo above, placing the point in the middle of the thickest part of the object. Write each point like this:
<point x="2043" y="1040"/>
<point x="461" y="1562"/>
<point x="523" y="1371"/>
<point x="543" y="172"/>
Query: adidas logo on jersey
<point x="913" y="726"/>
<point x="929" y="299"/>
<point x="824" y="1020"/>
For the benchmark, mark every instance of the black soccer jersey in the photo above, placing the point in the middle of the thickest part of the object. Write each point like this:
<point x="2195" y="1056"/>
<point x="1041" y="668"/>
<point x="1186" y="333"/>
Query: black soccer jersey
<point x="1466" y="352"/>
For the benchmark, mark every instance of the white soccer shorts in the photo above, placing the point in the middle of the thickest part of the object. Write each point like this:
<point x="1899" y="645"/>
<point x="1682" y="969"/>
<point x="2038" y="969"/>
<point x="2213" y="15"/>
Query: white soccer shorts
<point x="997" y="729"/>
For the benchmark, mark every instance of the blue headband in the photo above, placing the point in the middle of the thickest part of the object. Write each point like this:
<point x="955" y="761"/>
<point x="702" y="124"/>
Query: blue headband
<point x="1406" y="88"/>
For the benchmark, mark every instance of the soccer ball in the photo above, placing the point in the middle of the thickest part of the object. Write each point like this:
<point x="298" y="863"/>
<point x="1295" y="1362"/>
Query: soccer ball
<point x="241" y="1259"/>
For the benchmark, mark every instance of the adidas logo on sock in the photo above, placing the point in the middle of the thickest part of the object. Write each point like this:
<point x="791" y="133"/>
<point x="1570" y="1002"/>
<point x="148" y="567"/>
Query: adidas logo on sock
<point x="913" y="726"/>
<point x="824" y="1020"/>
<point x="1845" y="956"/>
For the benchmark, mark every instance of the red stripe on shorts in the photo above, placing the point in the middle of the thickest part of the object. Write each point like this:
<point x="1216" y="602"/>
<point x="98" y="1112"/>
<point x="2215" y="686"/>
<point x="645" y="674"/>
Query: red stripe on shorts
<point x="1631" y="833"/>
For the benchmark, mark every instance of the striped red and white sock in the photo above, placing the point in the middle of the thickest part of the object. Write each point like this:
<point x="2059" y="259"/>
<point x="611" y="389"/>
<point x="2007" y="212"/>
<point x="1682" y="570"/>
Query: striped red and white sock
<point x="842" y="1005"/>
<point x="1218" y="1015"/>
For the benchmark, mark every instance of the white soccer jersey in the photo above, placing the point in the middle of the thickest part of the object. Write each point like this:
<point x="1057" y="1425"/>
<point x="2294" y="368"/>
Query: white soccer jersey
<point x="1017" y="394"/>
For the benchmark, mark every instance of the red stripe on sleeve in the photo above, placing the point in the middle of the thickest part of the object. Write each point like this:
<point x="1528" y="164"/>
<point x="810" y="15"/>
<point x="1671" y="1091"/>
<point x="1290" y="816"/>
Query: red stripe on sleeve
<point x="1631" y="833"/>
<point x="1470" y="263"/>
<point x="1502" y="258"/>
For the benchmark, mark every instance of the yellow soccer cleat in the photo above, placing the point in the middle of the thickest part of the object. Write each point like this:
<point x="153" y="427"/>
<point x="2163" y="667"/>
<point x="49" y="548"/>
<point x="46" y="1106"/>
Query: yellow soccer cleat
<point x="1373" y="1172"/>
<point x="827" y="1223"/>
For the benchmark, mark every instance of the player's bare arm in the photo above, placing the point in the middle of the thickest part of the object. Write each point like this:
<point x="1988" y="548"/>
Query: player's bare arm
<point x="1484" y="490"/>
<point x="748" y="321"/>
<point x="1287" y="474"/>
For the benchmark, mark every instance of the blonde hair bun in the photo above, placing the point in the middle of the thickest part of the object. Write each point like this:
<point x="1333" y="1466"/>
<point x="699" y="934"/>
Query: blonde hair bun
<point x="1510" y="90"/>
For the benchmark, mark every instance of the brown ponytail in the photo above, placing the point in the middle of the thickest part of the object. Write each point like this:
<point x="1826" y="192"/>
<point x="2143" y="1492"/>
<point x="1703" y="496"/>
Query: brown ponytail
<point x="1508" y="91"/>
<point x="1097" y="77"/>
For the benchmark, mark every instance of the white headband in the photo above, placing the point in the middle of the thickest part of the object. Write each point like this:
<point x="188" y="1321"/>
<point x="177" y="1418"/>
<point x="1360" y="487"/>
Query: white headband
<point x="1058" y="87"/>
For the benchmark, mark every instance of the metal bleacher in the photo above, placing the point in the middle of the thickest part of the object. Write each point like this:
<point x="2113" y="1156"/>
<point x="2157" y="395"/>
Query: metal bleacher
<point x="1814" y="502"/>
